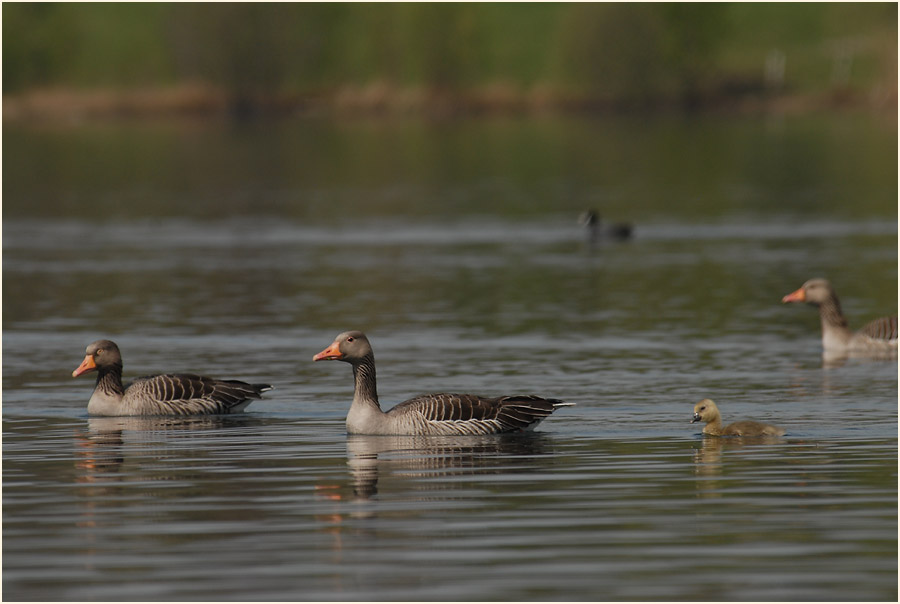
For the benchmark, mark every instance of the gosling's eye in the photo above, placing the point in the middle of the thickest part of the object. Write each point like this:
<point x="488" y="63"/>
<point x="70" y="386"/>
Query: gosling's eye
<point x="702" y="408"/>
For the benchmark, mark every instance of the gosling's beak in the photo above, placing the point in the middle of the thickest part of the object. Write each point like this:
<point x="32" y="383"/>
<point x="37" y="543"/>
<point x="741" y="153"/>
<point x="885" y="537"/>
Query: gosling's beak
<point x="332" y="353"/>
<point x="797" y="296"/>
<point x="86" y="365"/>
<point x="696" y="418"/>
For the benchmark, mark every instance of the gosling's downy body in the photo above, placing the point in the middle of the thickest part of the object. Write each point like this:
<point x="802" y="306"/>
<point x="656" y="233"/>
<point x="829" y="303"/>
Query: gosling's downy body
<point x="707" y="411"/>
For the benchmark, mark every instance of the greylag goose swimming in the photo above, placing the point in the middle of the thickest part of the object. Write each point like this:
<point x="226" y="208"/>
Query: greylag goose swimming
<point x="706" y="411"/>
<point x="429" y="414"/>
<point x="597" y="230"/>
<point x="170" y="394"/>
<point x="878" y="336"/>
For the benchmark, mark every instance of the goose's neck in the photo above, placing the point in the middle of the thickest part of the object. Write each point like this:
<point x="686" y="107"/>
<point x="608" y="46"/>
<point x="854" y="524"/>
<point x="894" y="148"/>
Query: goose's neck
<point x="109" y="381"/>
<point x="365" y="390"/>
<point x="714" y="426"/>
<point x="830" y="313"/>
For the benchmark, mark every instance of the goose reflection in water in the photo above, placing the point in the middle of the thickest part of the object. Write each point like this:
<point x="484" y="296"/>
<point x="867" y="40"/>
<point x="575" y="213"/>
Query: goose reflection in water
<point x="100" y="448"/>
<point x="834" y="360"/>
<point x="708" y="459"/>
<point x="371" y="458"/>
<point x="101" y="452"/>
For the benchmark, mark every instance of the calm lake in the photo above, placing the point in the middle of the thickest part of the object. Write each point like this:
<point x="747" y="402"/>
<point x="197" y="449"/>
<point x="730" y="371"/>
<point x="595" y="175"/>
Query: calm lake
<point x="240" y="251"/>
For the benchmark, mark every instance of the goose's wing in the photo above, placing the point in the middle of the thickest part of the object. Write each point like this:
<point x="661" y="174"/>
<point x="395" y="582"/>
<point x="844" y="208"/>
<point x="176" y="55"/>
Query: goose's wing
<point x="469" y="413"/>
<point x="884" y="328"/>
<point x="190" y="394"/>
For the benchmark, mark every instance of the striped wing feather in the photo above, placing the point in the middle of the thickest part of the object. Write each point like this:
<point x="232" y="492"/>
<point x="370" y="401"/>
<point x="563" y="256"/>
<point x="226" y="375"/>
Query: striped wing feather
<point x="503" y="414"/>
<point x="190" y="394"/>
<point x="884" y="328"/>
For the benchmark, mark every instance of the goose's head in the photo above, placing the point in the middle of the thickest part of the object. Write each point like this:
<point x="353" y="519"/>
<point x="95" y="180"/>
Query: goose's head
<point x="99" y="355"/>
<point x="705" y="411"/>
<point x="350" y="346"/>
<point x="814" y="291"/>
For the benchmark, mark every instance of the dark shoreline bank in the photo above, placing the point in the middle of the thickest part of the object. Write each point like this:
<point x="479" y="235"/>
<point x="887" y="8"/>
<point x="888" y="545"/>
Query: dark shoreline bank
<point x="380" y="100"/>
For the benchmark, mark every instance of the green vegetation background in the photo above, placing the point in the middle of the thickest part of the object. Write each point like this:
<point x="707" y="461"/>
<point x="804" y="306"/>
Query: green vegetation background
<point x="631" y="53"/>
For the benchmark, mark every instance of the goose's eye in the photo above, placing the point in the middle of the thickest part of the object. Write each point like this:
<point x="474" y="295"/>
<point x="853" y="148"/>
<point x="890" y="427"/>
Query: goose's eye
<point x="350" y="339"/>
<point x="98" y="353"/>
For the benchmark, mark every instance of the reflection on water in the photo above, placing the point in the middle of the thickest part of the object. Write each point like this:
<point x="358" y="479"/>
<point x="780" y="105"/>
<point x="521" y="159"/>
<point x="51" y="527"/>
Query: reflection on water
<point x="831" y="359"/>
<point x="98" y="454"/>
<point x="435" y="456"/>
<point x="99" y="447"/>
<point x="108" y="448"/>
<point x="323" y="513"/>
<point x="139" y="425"/>
<point x="708" y="458"/>
<point x="318" y="171"/>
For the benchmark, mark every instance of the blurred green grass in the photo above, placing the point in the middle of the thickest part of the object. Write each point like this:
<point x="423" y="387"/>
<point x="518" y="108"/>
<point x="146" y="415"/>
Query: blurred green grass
<point x="623" y="54"/>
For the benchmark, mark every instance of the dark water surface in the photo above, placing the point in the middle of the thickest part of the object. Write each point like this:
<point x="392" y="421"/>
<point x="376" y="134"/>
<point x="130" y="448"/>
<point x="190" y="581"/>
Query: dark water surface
<point x="242" y="251"/>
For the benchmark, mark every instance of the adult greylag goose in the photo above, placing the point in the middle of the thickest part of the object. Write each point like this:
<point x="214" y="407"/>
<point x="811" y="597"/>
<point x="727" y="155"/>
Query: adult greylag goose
<point x="169" y="394"/>
<point x="707" y="411"/>
<point x="429" y="414"/>
<point x="878" y="336"/>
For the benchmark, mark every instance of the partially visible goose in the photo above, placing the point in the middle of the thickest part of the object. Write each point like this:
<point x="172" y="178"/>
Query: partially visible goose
<point x="429" y="414"/>
<point x="597" y="230"/>
<point x="170" y="394"/>
<point x="878" y="336"/>
<point x="706" y="411"/>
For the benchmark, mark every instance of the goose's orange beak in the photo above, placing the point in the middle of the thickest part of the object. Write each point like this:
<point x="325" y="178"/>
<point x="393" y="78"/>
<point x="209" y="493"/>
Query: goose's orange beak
<point x="797" y="296"/>
<point x="332" y="353"/>
<point x="86" y="365"/>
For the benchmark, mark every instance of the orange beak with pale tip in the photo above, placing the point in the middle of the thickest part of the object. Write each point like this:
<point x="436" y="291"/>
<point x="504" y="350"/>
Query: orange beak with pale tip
<point x="797" y="296"/>
<point x="332" y="353"/>
<point x="87" y="364"/>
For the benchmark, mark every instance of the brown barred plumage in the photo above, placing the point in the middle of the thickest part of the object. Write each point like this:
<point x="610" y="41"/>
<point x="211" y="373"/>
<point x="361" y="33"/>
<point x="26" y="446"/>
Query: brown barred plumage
<point x="884" y="328"/>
